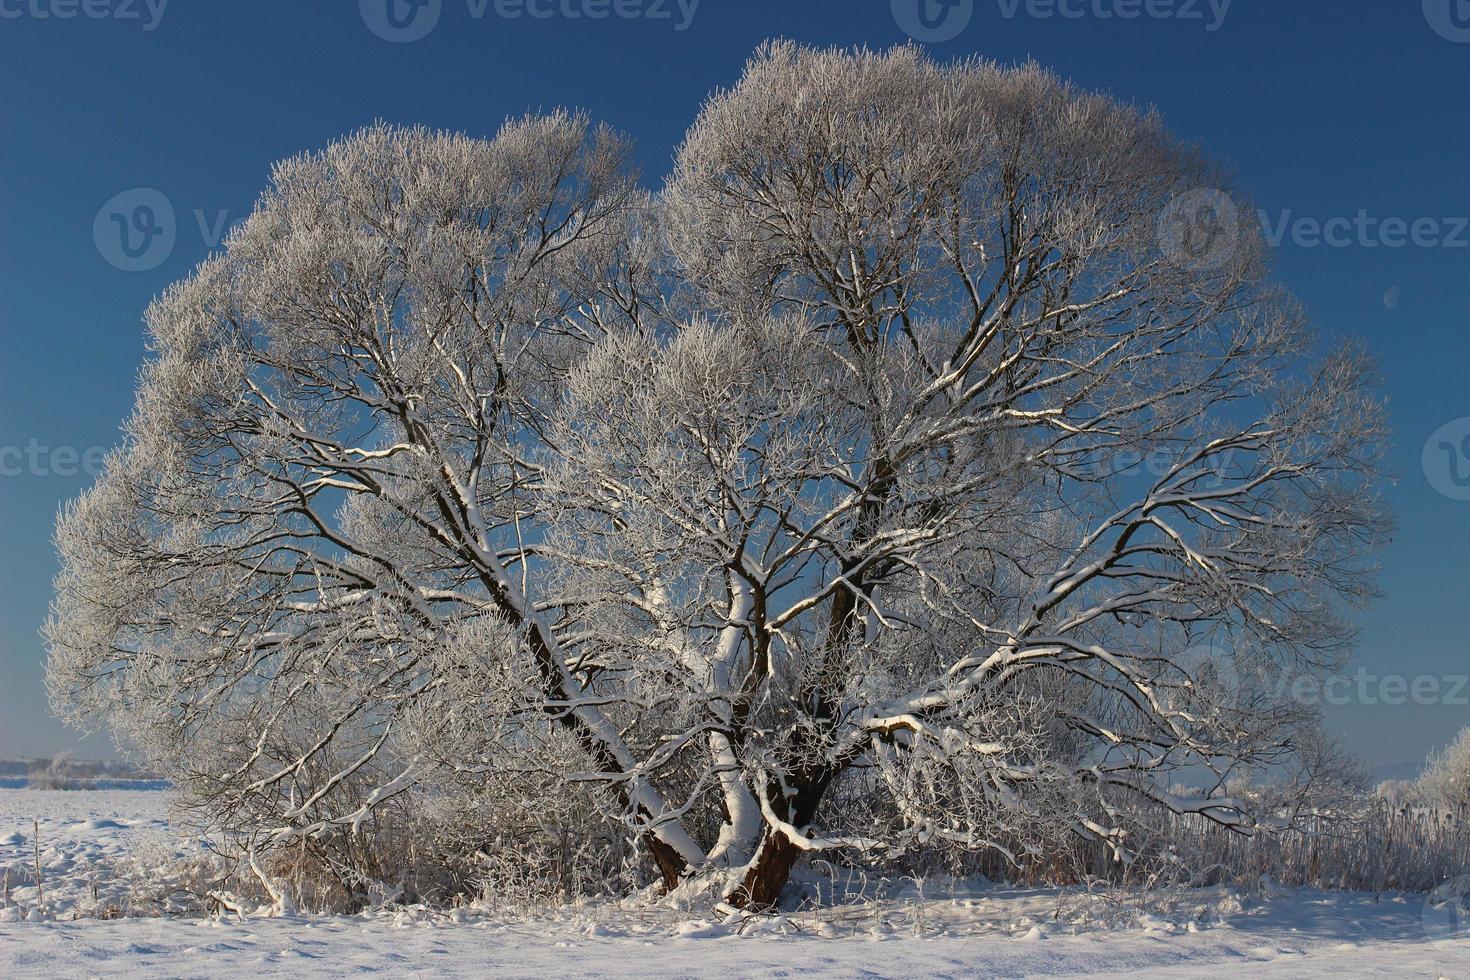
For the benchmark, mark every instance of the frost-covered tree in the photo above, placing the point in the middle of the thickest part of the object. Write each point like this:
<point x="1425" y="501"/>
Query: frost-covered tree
<point x="780" y="511"/>
<point x="1446" y="777"/>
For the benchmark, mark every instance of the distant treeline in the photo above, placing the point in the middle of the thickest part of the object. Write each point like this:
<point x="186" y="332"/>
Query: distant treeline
<point x="64" y="772"/>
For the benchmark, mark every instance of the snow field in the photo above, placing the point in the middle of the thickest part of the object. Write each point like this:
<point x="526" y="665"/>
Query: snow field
<point x="109" y="863"/>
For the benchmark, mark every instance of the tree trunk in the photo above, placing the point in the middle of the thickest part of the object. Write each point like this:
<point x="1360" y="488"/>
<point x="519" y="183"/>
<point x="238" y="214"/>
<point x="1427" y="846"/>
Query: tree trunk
<point x="761" y="887"/>
<point x="671" y="865"/>
<point x="776" y="855"/>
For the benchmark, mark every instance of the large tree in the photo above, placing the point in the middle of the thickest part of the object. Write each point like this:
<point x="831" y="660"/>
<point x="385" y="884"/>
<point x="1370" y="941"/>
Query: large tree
<point x="784" y="508"/>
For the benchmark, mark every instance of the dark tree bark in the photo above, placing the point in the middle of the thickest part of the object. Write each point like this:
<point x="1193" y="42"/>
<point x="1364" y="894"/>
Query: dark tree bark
<point x="760" y="889"/>
<point x="777" y="854"/>
<point x="671" y="865"/>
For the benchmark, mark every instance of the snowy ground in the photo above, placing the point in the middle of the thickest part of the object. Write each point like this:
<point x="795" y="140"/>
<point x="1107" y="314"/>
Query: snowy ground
<point x="98" y="851"/>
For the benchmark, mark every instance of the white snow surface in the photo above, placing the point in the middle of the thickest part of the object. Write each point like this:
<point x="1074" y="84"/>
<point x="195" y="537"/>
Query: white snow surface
<point x="108" y="851"/>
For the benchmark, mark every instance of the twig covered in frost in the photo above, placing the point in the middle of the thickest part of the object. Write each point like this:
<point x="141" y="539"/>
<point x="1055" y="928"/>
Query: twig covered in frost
<point x="40" y="882"/>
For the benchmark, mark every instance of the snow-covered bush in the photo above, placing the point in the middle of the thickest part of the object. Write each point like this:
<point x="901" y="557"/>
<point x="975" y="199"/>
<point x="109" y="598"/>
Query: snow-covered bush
<point x="1446" y="778"/>
<point x="771" y="515"/>
<point x="1397" y="791"/>
<point x="57" y="773"/>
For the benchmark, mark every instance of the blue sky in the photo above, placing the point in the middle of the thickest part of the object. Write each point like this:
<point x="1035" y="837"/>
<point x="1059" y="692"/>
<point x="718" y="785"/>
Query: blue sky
<point x="1347" y="121"/>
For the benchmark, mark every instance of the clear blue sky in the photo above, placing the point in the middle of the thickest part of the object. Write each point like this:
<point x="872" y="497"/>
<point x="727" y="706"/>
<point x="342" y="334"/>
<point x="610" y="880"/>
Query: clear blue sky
<point x="1328" y="109"/>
